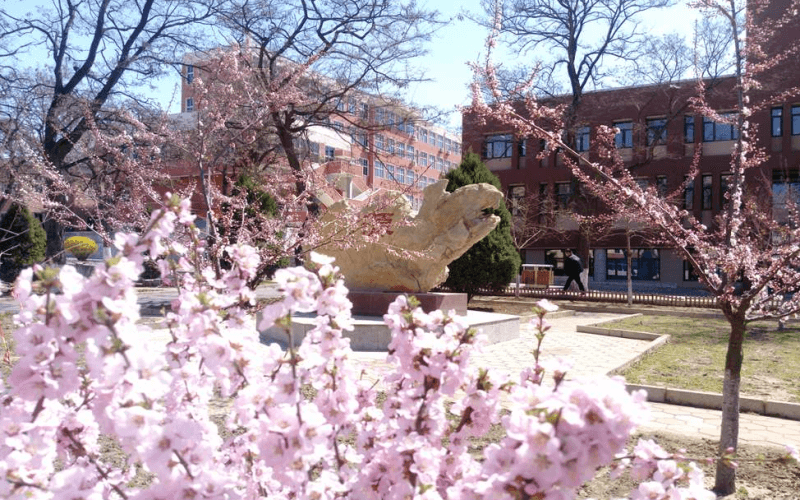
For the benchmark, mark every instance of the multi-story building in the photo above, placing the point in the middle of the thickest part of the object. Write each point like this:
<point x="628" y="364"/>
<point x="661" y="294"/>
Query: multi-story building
<point x="364" y="145"/>
<point x="657" y="140"/>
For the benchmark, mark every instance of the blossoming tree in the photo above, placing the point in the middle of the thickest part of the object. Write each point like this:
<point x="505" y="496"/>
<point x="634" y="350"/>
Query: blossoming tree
<point x="748" y="260"/>
<point x="302" y="424"/>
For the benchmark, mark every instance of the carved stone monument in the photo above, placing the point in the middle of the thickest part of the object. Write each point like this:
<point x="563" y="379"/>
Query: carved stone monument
<point x="413" y="255"/>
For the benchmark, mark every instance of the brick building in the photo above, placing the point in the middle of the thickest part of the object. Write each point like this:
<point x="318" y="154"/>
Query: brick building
<point x="367" y="144"/>
<point x="658" y="137"/>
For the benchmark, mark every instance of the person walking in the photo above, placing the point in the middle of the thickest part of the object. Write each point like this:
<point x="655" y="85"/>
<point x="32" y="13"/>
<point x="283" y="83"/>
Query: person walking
<point x="573" y="269"/>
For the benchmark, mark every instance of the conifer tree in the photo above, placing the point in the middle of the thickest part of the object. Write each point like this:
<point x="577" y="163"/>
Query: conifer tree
<point x="492" y="262"/>
<point x="22" y="242"/>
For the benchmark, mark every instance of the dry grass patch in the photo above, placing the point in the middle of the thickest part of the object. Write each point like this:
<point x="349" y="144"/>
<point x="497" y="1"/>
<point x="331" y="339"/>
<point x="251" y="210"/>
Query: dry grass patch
<point x="694" y="357"/>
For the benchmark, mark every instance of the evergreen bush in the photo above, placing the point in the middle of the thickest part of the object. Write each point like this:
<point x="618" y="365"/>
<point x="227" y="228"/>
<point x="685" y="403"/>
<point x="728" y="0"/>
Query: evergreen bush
<point x="493" y="262"/>
<point x="22" y="242"/>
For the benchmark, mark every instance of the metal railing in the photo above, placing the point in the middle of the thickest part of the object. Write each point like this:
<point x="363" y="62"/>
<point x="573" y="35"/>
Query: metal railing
<point x="616" y="297"/>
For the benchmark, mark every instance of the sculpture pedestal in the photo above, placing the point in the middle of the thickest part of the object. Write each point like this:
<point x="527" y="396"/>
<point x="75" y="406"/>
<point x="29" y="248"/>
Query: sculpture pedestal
<point x="369" y="303"/>
<point x="371" y="334"/>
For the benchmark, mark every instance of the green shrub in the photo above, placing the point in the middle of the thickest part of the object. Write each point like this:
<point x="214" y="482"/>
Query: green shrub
<point x="493" y="262"/>
<point x="80" y="246"/>
<point x="23" y="242"/>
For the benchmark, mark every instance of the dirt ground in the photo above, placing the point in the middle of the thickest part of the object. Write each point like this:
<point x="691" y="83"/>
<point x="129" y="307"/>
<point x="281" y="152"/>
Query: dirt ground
<point x="761" y="474"/>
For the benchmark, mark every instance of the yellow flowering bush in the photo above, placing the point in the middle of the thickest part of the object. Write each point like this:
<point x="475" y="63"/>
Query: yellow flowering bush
<point x="80" y="246"/>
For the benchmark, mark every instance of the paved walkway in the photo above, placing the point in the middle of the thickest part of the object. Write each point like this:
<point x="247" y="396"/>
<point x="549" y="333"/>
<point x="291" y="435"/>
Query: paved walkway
<point x="596" y="355"/>
<point x="590" y="355"/>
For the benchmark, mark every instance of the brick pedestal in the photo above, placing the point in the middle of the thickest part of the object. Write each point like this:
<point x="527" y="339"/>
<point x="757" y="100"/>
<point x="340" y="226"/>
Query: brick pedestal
<point x="369" y="303"/>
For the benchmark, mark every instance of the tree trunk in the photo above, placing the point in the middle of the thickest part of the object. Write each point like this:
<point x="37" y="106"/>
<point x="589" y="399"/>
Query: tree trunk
<point x="55" y="248"/>
<point x="629" y="263"/>
<point x="725" y="482"/>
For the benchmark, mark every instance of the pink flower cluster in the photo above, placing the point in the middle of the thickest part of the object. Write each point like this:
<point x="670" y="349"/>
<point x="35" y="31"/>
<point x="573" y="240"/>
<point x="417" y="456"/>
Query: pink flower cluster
<point x="297" y="423"/>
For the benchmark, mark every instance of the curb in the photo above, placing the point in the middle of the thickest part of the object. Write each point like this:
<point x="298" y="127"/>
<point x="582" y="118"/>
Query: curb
<point x="713" y="401"/>
<point x="682" y="397"/>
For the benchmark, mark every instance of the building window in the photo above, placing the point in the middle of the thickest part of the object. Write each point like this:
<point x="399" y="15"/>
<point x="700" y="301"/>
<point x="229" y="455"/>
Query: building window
<point x="688" y="194"/>
<point x="563" y="194"/>
<point x="423" y="135"/>
<point x="796" y="119"/>
<point x="378" y="169"/>
<point x="516" y="196"/>
<point x="364" y="110"/>
<point x="645" y="264"/>
<point x="401" y="175"/>
<point x="423" y="159"/>
<point x="582" y="140"/>
<point x="497" y="146"/>
<point x="656" y="131"/>
<point x="776" y="115"/>
<point x="189" y="104"/>
<point x="379" y="116"/>
<point x="522" y="149"/>
<point x="390" y="145"/>
<point x="688" y="272"/>
<point x="720" y="131"/>
<point x="708" y="191"/>
<point x="330" y="153"/>
<point x="785" y="191"/>
<point x="688" y="128"/>
<point x="410" y="152"/>
<point x="401" y="150"/>
<point x="390" y="171"/>
<point x="432" y="139"/>
<point x="361" y="139"/>
<point x="661" y="185"/>
<point x="440" y="142"/>
<point x="379" y="142"/>
<point x="364" y="166"/>
<point x="410" y="177"/>
<point x="624" y="137"/>
<point x="189" y="73"/>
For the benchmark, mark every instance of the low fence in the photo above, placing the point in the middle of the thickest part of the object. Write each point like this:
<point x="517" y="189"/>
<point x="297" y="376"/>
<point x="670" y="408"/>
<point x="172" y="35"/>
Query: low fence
<point x="651" y="299"/>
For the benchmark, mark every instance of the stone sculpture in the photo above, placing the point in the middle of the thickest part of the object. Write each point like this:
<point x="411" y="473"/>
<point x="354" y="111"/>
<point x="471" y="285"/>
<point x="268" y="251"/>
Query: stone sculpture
<point x="413" y="255"/>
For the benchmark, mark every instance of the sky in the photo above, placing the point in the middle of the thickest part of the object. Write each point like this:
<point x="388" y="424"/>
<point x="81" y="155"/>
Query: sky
<point x="463" y="41"/>
<point x="450" y="51"/>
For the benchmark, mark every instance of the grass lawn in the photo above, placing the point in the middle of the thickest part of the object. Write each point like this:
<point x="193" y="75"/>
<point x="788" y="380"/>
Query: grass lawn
<point x="694" y="358"/>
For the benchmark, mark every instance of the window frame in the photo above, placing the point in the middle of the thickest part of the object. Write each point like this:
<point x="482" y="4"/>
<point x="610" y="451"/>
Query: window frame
<point x="613" y="272"/>
<point x="718" y="131"/>
<point x="707" y="198"/>
<point x="497" y="146"/>
<point x="624" y="138"/>
<point x="654" y="125"/>
<point x="583" y="139"/>
<point x="795" y="119"/>
<point x="776" y="121"/>
<point x="688" y="129"/>
<point x="563" y="198"/>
